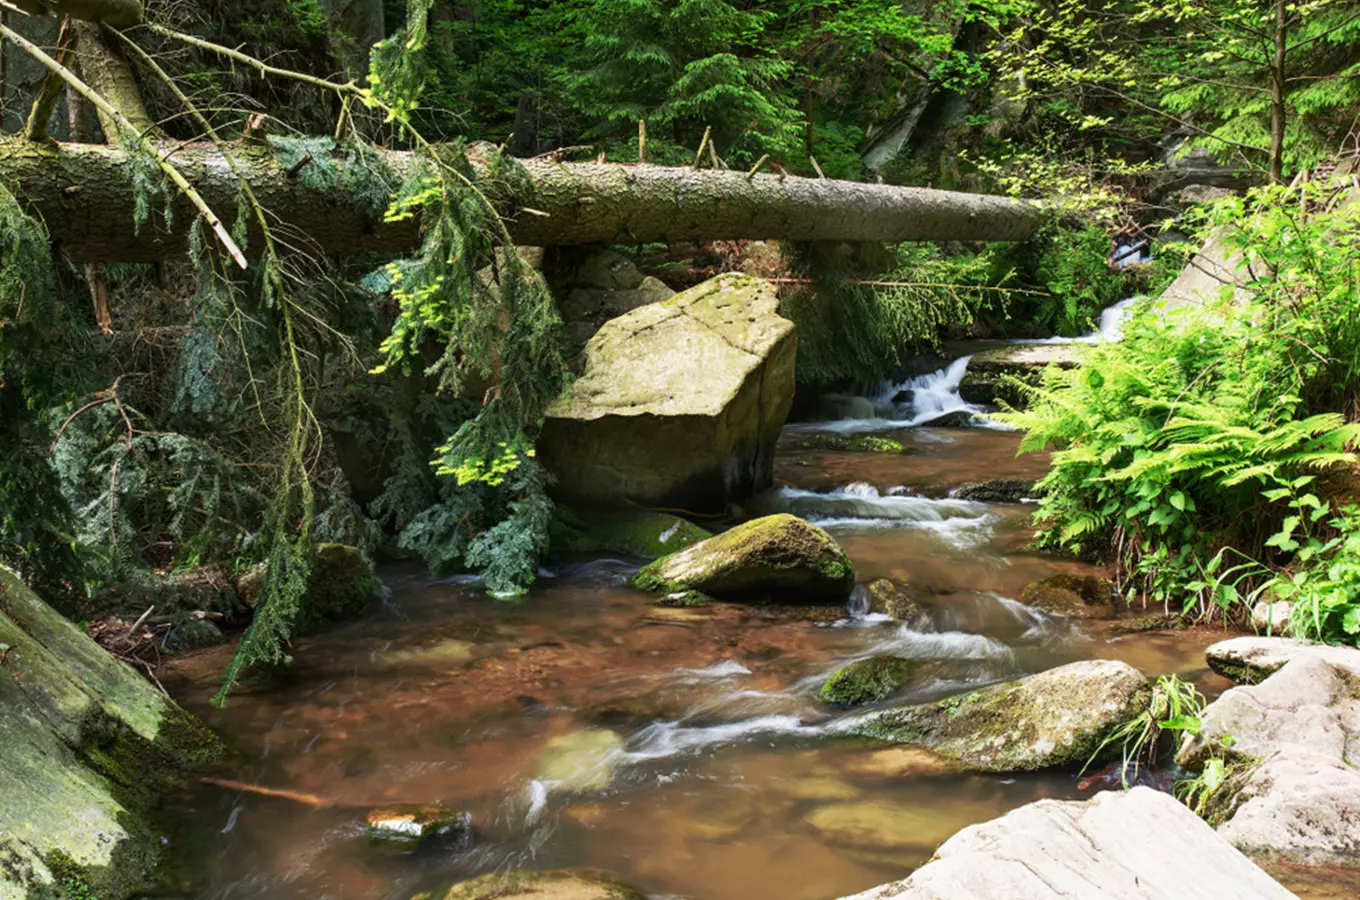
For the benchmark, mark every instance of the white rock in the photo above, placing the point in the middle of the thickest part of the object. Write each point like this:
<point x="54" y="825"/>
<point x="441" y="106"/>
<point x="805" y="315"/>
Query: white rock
<point x="1271" y="617"/>
<point x="1256" y="658"/>
<point x="1134" y="845"/>
<point x="1301" y="807"/>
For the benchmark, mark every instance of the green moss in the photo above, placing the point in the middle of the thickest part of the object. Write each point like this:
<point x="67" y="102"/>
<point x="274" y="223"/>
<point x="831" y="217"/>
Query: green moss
<point x="638" y="533"/>
<point x="864" y="443"/>
<point x="866" y="680"/>
<point x="685" y="600"/>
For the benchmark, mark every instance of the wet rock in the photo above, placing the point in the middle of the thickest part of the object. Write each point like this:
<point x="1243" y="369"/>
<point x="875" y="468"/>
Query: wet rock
<point x="1289" y="741"/>
<point x="862" y="443"/>
<point x="866" y="680"/>
<point x="637" y="533"/>
<point x="1054" y="718"/>
<point x="961" y="418"/>
<point x="553" y="884"/>
<point x="1271" y="617"/>
<point x="684" y="599"/>
<point x="607" y="270"/>
<point x="834" y="407"/>
<point x="343" y="583"/>
<point x="414" y="823"/>
<point x="1128" y="845"/>
<point x="1144" y="624"/>
<point x="681" y="401"/>
<point x="903" y="602"/>
<point x="448" y="652"/>
<point x="580" y="761"/>
<point x="998" y="490"/>
<point x="87" y="749"/>
<point x="1248" y="660"/>
<point x="815" y="788"/>
<point x="780" y="558"/>
<point x="1079" y="596"/>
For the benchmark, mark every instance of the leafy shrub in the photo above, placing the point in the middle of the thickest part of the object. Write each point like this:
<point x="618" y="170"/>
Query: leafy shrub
<point x="1197" y="432"/>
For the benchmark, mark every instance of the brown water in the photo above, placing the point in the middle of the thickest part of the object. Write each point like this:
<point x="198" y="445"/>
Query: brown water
<point x="733" y="781"/>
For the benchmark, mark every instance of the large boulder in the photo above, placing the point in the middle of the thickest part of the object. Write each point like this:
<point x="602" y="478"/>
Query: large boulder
<point x="680" y="403"/>
<point x="1129" y="845"/>
<point x="86" y="747"/>
<point x="1289" y="743"/>
<point x="780" y="558"/>
<point x="1054" y="718"/>
<point x="1248" y="660"/>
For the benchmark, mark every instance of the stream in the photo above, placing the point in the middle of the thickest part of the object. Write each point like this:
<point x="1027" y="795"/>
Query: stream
<point x="727" y="778"/>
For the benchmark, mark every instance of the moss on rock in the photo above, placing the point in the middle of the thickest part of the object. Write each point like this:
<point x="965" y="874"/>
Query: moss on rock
<point x="780" y="558"/>
<point x="343" y="583"/>
<point x="1054" y="718"/>
<point x="863" y="443"/>
<point x="902" y="602"/>
<point x="866" y="680"/>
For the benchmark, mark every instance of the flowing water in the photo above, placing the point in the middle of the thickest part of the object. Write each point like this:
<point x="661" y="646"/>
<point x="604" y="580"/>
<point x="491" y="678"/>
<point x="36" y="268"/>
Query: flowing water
<point x="727" y="778"/>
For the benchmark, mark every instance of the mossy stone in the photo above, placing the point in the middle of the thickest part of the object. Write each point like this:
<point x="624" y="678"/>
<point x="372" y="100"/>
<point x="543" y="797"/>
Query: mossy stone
<point x="899" y="601"/>
<point x="779" y="558"/>
<point x="862" y="443"/>
<point x="343" y="582"/>
<point x="1079" y="596"/>
<point x="406" y="822"/>
<point x="1055" y="718"/>
<point x="866" y="680"/>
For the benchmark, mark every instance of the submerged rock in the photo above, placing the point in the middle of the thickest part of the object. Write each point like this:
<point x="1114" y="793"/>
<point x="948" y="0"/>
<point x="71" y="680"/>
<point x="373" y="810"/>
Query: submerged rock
<point x="1054" y="718"/>
<point x="580" y="761"/>
<point x="866" y="680"/>
<point x="414" y="823"/>
<point x="998" y="490"/>
<point x="1127" y="845"/>
<point x="1247" y="660"/>
<point x="1289" y="743"/>
<point x="1079" y="596"/>
<point x="638" y="533"/>
<point x="681" y="401"/>
<point x="883" y="826"/>
<point x="780" y="558"/>
<point x="553" y="884"/>
<point x="901" y="762"/>
<point x="902" y="602"/>
<point x="862" y="443"/>
<point x="87" y="747"/>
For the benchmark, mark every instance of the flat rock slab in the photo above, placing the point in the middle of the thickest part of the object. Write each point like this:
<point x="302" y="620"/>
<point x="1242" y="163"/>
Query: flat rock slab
<point x="1254" y="659"/>
<point x="1055" y="718"/>
<point x="1134" y="845"/>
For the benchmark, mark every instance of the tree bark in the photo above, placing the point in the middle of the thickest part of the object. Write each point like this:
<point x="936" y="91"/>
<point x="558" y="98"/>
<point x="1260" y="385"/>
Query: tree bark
<point x="84" y="194"/>
<point x="120" y="13"/>
<point x="1277" y="108"/>
<point x="104" y="68"/>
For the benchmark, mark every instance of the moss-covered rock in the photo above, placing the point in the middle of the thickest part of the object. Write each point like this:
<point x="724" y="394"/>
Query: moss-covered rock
<point x="1079" y="596"/>
<point x="780" y="558"/>
<point x="638" y="533"/>
<point x="862" y="443"/>
<point x="86" y="748"/>
<point x="1055" y="718"/>
<point x="903" y="602"/>
<point x="681" y="401"/>
<point x="554" y="884"/>
<point x="343" y="583"/>
<point x="866" y="680"/>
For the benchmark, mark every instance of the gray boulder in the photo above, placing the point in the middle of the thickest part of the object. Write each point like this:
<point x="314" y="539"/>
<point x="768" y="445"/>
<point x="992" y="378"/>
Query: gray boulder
<point x="681" y="401"/>
<point x="1055" y="718"/>
<point x="1290" y="741"/>
<point x="1132" y="845"/>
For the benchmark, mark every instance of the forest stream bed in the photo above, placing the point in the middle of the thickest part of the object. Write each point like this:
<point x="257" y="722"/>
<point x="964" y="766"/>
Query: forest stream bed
<point x="721" y="776"/>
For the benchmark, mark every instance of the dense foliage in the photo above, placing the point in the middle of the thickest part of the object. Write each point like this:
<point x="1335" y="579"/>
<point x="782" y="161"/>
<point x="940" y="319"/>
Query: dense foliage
<point x="1203" y="454"/>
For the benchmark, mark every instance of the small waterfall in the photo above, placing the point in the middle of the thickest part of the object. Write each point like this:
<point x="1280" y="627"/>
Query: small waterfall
<point x="933" y="395"/>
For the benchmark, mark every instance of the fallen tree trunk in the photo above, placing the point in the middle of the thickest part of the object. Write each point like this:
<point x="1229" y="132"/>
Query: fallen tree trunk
<point x="120" y="13"/>
<point x="85" y="196"/>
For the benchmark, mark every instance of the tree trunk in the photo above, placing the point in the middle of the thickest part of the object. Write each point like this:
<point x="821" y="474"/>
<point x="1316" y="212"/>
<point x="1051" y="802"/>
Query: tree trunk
<point x="120" y="13"/>
<point x="1277" y="110"/>
<point x="84" y="194"/>
<point x="104" y="68"/>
